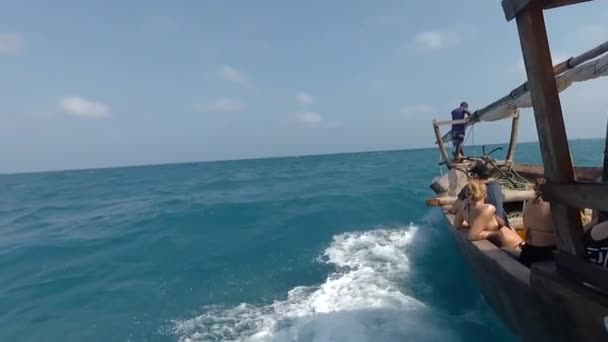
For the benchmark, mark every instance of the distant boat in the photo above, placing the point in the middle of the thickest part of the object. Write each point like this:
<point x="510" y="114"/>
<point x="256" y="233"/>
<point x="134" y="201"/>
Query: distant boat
<point x="565" y="299"/>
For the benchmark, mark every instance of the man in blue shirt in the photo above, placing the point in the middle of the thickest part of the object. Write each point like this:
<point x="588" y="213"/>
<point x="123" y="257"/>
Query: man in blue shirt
<point x="458" y="130"/>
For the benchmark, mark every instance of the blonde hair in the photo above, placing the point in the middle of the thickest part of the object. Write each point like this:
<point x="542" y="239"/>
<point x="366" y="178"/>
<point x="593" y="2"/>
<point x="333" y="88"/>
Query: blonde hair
<point x="476" y="190"/>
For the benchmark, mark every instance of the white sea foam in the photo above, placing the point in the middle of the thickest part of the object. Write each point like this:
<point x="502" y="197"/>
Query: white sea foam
<point x="360" y="301"/>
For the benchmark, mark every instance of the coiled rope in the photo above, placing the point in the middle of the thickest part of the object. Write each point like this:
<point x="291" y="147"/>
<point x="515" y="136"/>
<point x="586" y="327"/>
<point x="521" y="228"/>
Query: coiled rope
<point x="510" y="179"/>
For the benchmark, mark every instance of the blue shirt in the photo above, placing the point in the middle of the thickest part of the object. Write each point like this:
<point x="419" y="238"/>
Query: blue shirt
<point x="458" y="114"/>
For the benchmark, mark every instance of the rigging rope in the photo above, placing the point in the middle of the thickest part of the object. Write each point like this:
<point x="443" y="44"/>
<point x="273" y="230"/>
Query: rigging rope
<point x="513" y="181"/>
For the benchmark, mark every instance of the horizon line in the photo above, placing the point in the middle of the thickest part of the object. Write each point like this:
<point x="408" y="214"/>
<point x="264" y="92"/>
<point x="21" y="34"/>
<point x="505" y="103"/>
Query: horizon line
<point x="256" y="158"/>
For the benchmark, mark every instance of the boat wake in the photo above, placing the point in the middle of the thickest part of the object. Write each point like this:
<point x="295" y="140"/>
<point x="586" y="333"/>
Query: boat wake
<point x="361" y="300"/>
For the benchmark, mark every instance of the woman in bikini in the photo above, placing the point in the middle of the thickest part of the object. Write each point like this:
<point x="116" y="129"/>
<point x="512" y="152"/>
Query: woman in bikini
<point x="482" y="221"/>
<point x="538" y="226"/>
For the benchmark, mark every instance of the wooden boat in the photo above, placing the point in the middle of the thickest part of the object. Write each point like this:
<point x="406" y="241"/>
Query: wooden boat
<point x="565" y="299"/>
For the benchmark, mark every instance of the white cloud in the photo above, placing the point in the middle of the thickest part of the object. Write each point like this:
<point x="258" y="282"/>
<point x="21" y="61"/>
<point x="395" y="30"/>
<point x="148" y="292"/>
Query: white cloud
<point x="304" y="98"/>
<point x="331" y="124"/>
<point x="309" y="118"/>
<point x="442" y="38"/>
<point x="222" y="105"/>
<point x="312" y="119"/>
<point x="11" y="43"/>
<point x="416" y="110"/>
<point x="430" y="39"/>
<point x="81" y="107"/>
<point x="231" y="74"/>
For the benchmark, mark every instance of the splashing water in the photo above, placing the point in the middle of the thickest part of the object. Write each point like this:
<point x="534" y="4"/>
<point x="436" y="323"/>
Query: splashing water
<point x="360" y="301"/>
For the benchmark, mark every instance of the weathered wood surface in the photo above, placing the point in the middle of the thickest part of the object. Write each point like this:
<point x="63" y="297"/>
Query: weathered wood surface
<point x="442" y="149"/>
<point x="549" y="124"/>
<point x="583" y="271"/>
<point x="513" y="139"/>
<point x="505" y="285"/>
<point x="531" y="172"/>
<point x="580" y="195"/>
<point x="510" y="197"/>
<point x="512" y="8"/>
<point x="605" y="165"/>
<point x="450" y="122"/>
<point x="578" y="312"/>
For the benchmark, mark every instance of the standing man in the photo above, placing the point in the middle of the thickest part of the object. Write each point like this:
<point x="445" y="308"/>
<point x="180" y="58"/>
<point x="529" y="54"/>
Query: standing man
<point x="458" y="130"/>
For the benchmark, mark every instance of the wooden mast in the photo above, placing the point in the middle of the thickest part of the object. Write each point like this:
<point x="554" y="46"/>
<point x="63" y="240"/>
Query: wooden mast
<point x="549" y="123"/>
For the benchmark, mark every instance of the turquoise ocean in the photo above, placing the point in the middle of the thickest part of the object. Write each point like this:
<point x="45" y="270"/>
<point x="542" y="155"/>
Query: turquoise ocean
<point x="316" y="248"/>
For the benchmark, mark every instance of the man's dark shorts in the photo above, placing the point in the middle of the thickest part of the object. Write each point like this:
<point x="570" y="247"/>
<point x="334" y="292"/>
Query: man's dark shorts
<point x="457" y="138"/>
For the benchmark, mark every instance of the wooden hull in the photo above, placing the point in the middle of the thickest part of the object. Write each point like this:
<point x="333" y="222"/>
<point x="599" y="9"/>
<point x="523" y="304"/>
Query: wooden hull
<point x="505" y="285"/>
<point x="537" y="305"/>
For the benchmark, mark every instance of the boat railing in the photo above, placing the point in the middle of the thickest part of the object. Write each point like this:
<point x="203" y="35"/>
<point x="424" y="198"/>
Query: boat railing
<point x="450" y="163"/>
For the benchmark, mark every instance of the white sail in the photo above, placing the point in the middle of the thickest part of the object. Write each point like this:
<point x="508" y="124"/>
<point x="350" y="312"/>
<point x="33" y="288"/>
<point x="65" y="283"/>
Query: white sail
<point x="587" y="71"/>
<point x="571" y="71"/>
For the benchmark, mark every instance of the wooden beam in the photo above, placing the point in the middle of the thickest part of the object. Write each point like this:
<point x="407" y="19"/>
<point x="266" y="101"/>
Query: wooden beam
<point x="559" y="3"/>
<point x="552" y="137"/>
<point x="577" y="311"/>
<point x="451" y="122"/>
<point x="558" y="69"/>
<point x="442" y="149"/>
<point x="605" y="167"/>
<point x="511" y="196"/>
<point x="513" y="140"/>
<point x="579" y="195"/>
<point x="512" y="8"/>
<point x="583" y="271"/>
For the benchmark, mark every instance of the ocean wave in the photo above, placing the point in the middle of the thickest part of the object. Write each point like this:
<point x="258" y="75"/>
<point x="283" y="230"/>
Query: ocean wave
<point x="361" y="300"/>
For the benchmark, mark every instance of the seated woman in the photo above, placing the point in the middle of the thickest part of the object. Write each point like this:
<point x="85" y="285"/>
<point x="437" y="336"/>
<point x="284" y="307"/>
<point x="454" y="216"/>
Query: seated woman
<point x="538" y="226"/>
<point x="483" y="223"/>
<point x="494" y="195"/>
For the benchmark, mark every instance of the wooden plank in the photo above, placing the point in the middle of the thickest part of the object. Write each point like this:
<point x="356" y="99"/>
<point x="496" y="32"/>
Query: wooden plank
<point x="557" y="70"/>
<point x="511" y="196"/>
<point x="535" y="171"/>
<point x="442" y="149"/>
<point x="580" y="195"/>
<point x="512" y="8"/>
<point x="559" y="3"/>
<point x="583" y="271"/>
<point x="553" y="141"/>
<point x="605" y="166"/>
<point x="450" y="122"/>
<point x="513" y="140"/>
<point x="505" y="285"/>
<point x="578" y="312"/>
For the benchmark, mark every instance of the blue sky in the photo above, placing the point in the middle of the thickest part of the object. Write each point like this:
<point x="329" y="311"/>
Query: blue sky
<point x="93" y="84"/>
